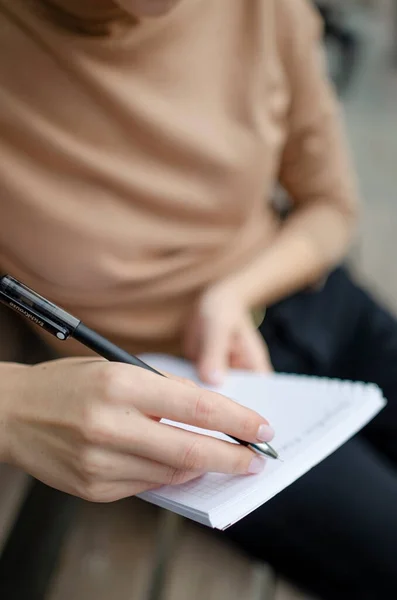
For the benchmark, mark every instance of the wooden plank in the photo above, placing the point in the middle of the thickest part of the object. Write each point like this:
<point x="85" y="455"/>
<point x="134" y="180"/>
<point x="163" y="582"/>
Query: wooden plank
<point x="263" y="582"/>
<point x="167" y="539"/>
<point x="13" y="488"/>
<point x="111" y="550"/>
<point x="32" y="549"/>
<point x="108" y="553"/>
<point x="206" y="567"/>
<point x="285" y="591"/>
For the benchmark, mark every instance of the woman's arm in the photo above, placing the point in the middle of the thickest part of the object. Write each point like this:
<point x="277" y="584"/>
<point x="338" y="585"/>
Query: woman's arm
<point x="315" y="170"/>
<point x="9" y="372"/>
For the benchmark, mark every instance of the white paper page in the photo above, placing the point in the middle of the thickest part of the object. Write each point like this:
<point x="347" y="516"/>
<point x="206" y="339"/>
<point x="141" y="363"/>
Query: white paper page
<point x="305" y="413"/>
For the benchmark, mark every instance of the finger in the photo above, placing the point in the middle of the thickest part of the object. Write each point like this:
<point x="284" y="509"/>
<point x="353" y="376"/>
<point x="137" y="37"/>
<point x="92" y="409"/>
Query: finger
<point x="253" y="354"/>
<point x="108" y="465"/>
<point x="165" y="398"/>
<point x="126" y="489"/>
<point x="187" y="451"/>
<point x="191" y="340"/>
<point x="183" y="380"/>
<point x="214" y="350"/>
<point x="113" y="491"/>
<point x="179" y="477"/>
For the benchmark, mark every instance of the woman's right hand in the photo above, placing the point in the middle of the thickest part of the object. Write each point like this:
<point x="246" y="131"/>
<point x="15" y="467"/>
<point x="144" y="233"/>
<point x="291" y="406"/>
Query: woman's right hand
<point x="91" y="428"/>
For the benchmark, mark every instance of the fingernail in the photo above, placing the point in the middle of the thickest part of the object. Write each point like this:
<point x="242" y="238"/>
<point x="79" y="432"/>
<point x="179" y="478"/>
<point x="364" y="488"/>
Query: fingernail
<point x="257" y="465"/>
<point x="265" y="433"/>
<point x="216" y="377"/>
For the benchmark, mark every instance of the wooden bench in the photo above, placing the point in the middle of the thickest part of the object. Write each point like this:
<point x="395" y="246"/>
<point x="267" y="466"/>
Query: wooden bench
<point x="13" y="489"/>
<point x="13" y="483"/>
<point x="133" y="550"/>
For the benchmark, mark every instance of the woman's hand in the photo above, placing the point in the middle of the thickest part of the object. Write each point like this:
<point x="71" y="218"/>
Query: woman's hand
<point x="91" y="428"/>
<point x="222" y="334"/>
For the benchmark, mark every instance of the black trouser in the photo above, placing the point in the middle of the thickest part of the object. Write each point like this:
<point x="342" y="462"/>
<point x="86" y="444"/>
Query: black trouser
<point x="334" y="29"/>
<point x="334" y="531"/>
<point x="347" y="41"/>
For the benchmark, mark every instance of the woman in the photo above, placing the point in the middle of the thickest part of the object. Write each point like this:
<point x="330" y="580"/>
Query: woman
<point x="138" y="160"/>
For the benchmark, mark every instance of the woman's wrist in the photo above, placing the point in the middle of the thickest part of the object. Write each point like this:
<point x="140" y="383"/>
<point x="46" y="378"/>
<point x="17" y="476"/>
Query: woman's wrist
<point x="10" y="377"/>
<point x="289" y="265"/>
<point x="232" y="292"/>
<point x="235" y="290"/>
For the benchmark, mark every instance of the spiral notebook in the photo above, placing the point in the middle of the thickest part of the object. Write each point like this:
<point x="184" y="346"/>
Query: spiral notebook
<point x="312" y="417"/>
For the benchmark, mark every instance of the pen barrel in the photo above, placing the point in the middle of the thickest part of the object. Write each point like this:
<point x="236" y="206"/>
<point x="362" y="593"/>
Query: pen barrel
<point x="36" y="309"/>
<point x="107" y="349"/>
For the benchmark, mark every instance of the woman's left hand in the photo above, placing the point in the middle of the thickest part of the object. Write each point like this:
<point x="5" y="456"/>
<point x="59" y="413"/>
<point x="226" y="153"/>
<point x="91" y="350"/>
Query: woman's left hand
<point x="222" y="334"/>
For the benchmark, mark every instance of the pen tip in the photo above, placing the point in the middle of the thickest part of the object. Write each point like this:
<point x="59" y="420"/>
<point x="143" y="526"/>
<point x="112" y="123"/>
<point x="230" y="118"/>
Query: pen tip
<point x="270" y="451"/>
<point x="266" y="450"/>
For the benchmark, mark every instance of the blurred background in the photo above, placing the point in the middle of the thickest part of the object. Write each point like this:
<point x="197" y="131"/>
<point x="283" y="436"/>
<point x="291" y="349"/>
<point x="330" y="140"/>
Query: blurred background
<point x="370" y="103"/>
<point x="133" y="551"/>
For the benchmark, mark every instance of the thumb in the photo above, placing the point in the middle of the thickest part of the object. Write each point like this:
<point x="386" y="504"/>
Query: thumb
<point x="214" y="351"/>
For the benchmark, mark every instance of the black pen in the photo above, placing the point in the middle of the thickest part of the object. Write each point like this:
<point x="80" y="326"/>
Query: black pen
<point x="62" y="325"/>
